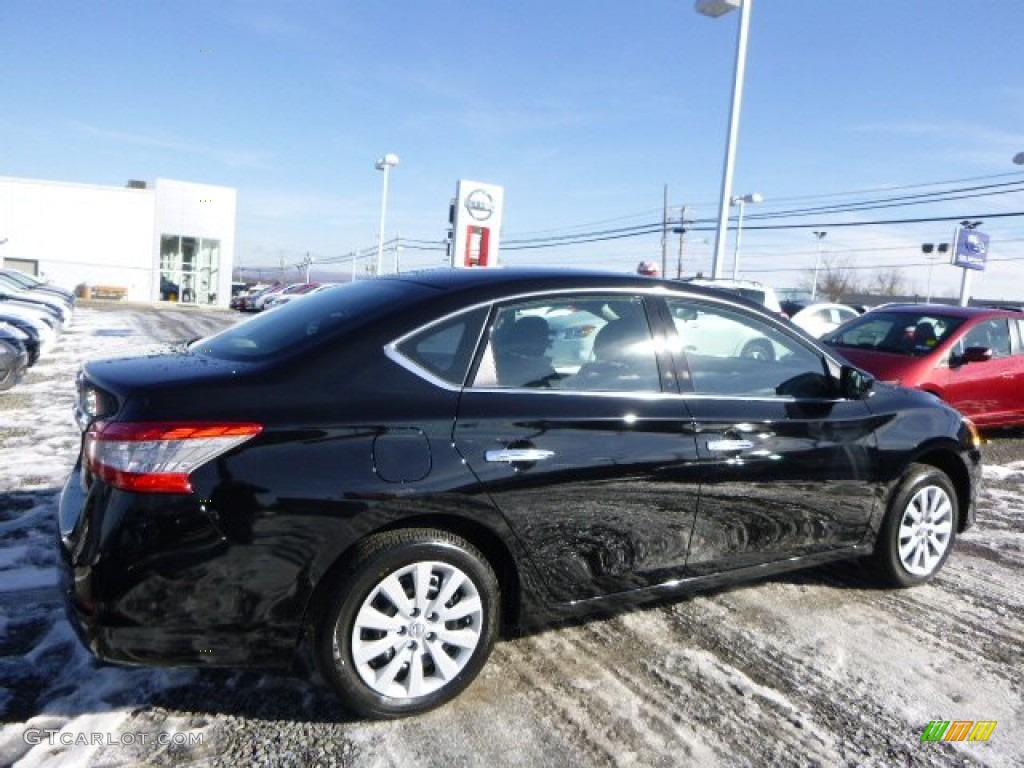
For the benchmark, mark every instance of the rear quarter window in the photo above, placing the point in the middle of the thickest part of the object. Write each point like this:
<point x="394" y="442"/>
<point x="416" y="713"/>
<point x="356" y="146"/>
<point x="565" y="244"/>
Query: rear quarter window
<point x="445" y="349"/>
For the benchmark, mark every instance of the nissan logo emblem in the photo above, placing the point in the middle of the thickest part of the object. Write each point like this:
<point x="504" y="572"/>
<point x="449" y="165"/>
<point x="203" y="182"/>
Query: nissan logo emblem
<point x="479" y="205"/>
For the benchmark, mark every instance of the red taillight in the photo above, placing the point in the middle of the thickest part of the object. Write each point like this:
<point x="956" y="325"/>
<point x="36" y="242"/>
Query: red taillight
<point x="158" y="457"/>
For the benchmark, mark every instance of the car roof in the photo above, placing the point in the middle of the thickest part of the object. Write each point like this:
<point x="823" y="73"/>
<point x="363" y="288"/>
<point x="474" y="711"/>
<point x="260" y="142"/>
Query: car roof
<point x="529" y="278"/>
<point x="492" y="281"/>
<point x="949" y="310"/>
<point x="826" y="305"/>
<point x="726" y="282"/>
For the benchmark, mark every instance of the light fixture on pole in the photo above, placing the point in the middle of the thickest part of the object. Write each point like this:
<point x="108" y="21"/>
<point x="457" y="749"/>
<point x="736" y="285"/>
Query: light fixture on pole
<point x="714" y="9"/>
<point x="385" y="164"/>
<point x="820" y="234"/>
<point x="740" y="201"/>
<point x="1019" y="158"/>
<point x="938" y="250"/>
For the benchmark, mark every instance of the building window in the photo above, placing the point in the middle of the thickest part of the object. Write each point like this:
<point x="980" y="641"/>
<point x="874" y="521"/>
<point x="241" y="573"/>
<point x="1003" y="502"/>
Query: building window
<point x="189" y="269"/>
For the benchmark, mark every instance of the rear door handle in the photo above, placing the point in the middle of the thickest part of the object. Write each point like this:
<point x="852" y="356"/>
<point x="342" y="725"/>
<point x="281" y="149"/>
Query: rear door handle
<point x="518" y="454"/>
<point x="729" y="445"/>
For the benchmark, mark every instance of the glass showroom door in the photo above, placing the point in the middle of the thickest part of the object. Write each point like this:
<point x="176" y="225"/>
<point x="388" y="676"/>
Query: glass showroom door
<point x="189" y="269"/>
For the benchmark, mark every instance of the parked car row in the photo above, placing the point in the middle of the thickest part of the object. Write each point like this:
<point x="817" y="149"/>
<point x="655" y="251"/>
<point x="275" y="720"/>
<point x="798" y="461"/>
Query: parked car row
<point x="32" y="313"/>
<point x="261" y="297"/>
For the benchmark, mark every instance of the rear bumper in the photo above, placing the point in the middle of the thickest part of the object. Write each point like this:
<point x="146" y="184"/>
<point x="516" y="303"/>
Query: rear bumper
<point x="134" y="601"/>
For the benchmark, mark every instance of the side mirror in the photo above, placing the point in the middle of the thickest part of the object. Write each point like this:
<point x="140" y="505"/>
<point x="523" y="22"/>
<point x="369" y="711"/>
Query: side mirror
<point x="974" y="355"/>
<point x="854" y="384"/>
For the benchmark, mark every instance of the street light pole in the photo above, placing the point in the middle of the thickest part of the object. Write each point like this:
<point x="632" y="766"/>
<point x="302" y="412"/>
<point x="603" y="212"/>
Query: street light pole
<point x="928" y="249"/>
<point x="385" y="164"/>
<point x="714" y="9"/>
<point x="739" y="202"/>
<point x="817" y="264"/>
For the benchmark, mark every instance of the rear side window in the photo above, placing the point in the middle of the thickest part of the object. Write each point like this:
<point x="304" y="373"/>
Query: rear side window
<point x="445" y="349"/>
<point x="578" y="342"/>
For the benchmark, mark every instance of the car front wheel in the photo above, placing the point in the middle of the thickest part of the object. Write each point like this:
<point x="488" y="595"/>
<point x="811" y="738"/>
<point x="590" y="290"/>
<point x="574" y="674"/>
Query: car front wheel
<point x="410" y="625"/>
<point x="758" y="349"/>
<point x="919" y="528"/>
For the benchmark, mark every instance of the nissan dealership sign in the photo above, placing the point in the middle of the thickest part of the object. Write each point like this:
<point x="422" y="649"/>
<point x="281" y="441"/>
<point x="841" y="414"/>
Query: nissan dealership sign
<point x="476" y="224"/>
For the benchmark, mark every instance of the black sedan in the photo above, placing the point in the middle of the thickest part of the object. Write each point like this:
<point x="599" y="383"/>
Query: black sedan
<point x="394" y="472"/>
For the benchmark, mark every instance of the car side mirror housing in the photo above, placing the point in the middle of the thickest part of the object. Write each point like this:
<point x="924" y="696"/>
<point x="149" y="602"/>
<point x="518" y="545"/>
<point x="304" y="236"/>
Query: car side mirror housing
<point x="854" y="384"/>
<point x="974" y="355"/>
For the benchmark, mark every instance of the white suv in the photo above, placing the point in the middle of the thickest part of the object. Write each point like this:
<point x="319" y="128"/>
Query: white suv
<point x="748" y="289"/>
<point x="724" y="334"/>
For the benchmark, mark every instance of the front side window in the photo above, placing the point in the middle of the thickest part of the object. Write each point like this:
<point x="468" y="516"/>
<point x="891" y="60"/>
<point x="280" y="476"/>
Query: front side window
<point x="578" y="343"/>
<point x="993" y="333"/>
<point x="728" y="352"/>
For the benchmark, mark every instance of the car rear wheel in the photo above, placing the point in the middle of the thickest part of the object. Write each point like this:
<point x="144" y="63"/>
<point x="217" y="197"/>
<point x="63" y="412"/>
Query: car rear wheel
<point x="410" y="624"/>
<point x="919" y="528"/>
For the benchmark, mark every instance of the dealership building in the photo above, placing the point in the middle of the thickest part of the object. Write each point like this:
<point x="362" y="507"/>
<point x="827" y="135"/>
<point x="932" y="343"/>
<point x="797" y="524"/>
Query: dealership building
<point x="165" y="240"/>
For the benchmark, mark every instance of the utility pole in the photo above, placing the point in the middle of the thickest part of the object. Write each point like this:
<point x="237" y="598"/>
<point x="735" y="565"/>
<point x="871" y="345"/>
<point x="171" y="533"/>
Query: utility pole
<point x="681" y="229"/>
<point x="664" y="234"/>
<point x="817" y="265"/>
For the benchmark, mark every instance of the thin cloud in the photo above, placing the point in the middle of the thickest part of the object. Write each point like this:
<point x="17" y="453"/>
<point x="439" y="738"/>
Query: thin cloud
<point x="229" y="156"/>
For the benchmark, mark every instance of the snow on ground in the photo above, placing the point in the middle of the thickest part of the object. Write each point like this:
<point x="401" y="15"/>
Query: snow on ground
<point x="813" y="668"/>
<point x="43" y="665"/>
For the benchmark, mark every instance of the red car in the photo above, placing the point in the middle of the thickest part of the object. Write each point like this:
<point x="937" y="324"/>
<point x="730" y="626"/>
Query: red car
<point x="971" y="357"/>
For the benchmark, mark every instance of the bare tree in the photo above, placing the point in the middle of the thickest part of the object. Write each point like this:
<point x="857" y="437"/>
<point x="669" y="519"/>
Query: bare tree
<point x="888" y="282"/>
<point x="836" y="278"/>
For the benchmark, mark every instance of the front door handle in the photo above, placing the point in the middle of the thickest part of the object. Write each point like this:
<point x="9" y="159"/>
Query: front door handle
<point x="729" y="445"/>
<point x="518" y="454"/>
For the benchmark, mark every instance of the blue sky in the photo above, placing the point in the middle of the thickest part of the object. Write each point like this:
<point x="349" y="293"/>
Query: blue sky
<point x="583" y="111"/>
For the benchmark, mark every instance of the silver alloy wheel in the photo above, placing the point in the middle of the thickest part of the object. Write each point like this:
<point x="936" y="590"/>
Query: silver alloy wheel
<point x="925" y="530"/>
<point x="417" y="629"/>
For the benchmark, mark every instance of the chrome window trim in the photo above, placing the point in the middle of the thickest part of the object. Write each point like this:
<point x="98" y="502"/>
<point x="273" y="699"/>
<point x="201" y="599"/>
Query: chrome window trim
<point x="656" y="291"/>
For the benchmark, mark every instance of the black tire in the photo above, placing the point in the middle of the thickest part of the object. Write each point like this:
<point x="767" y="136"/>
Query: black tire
<point x="919" y="528"/>
<point x="387" y="660"/>
<point x="758" y="349"/>
<point x="8" y="374"/>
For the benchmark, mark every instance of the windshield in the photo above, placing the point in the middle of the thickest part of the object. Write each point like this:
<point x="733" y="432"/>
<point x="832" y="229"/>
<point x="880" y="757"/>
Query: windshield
<point x="903" y="333"/>
<point x="298" y="324"/>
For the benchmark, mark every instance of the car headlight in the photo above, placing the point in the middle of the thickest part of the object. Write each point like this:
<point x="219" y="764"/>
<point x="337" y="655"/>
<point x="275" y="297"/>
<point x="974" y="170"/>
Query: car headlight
<point x="972" y="433"/>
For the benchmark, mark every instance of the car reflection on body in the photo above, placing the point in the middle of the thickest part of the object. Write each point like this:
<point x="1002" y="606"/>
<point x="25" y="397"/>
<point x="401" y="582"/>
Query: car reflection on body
<point x="971" y="357"/>
<point x="392" y="473"/>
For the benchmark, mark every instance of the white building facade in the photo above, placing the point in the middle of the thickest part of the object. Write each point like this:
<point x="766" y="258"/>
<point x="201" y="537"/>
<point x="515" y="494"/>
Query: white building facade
<point x="162" y="241"/>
